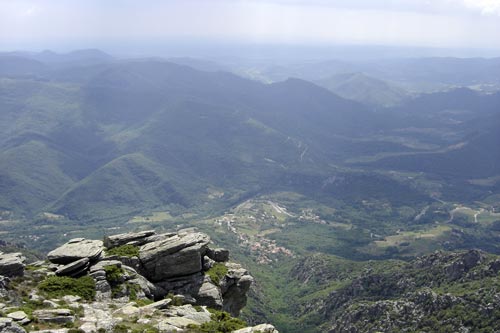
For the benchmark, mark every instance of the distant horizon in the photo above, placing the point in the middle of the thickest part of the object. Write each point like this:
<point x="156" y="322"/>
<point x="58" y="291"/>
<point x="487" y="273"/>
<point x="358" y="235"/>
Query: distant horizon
<point x="211" y="49"/>
<point x="129" y="27"/>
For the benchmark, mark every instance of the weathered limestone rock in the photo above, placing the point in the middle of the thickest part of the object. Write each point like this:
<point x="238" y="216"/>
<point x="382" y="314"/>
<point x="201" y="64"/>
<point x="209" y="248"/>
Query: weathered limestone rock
<point x="163" y="304"/>
<point x="129" y="310"/>
<point x="97" y="316"/>
<point x="135" y="238"/>
<point x="99" y="266"/>
<point x="7" y="325"/>
<point x="263" y="328"/>
<point x="11" y="264"/>
<point x="463" y="263"/>
<point x="184" y="285"/>
<point x="18" y="316"/>
<point x="145" y="288"/>
<point x="57" y="316"/>
<point x="234" y="287"/>
<point x="207" y="263"/>
<point x="75" y="268"/>
<point x="76" y="249"/>
<point x="178" y="255"/>
<point x="209" y="294"/>
<point x="175" y="324"/>
<point x="71" y="298"/>
<point x="200" y="316"/>
<point x="218" y="255"/>
<point x="4" y="283"/>
<point x="50" y="304"/>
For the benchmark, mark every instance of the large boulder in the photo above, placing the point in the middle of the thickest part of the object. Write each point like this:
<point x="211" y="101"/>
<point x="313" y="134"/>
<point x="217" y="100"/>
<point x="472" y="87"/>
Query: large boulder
<point x="56" y="316"/>
<point x="174" y="256"/>
<point x="75" y="268"/>
<point x="135" y="238"/>
<point x="11" y="264"/>
<point x="7" y="325"/>
<point x="234" y="287"/>
<point x="76" y="249"/>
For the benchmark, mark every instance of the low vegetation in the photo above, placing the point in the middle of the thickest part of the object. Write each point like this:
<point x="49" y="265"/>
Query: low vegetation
<point x="217" y="272"/>
<point x="57" y="286"/>
<point x="221" y="322"/>
<point x="126" y="250"/>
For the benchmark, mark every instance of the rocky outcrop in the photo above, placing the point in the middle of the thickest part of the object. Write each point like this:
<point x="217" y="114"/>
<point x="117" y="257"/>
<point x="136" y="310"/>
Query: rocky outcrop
<point x="11" y="264"/>
<point x="76" y="249"/>
<point x="132" y="238"/>
<point x="167" y="263"/>
<point x="177" y="255"/>
<point x="7" y="325"/>
<point x="234" y="287"/>
<point x="74" y="268"/>
<point x="167" y="285"/>
<point x="56" y="316"/>
<point x="456" y="290"/>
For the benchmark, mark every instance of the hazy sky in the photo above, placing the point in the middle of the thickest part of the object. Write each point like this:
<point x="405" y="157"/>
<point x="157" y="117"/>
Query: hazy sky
<point x="435" y="23"/>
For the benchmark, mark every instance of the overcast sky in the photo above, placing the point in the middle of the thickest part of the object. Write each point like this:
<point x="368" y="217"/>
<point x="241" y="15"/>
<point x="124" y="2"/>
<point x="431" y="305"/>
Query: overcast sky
<point x="435" y="23"/>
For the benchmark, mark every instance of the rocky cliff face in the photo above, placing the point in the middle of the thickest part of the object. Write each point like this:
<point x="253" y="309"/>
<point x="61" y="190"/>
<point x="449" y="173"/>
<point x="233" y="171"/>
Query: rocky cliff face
<point x="440" y="292"/>
<point x="137" y="282"/>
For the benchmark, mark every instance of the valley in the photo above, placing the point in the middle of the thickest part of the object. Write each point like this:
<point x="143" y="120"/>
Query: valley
<point x="316" y="193"/>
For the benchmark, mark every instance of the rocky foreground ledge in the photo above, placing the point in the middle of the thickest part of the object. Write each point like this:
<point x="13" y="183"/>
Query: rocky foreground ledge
<point x="132" y="282"/>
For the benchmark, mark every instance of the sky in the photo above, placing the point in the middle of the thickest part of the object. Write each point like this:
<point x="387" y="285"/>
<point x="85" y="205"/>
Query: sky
<point x="426" y="23"/>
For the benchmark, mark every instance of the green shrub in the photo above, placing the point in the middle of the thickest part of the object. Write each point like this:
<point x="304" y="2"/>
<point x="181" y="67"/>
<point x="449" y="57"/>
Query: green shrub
<point x="143" y="302"/>
<point x="222" y="322"/>
<point x="114" y="274"/>
<point x="120" y="328"/>
<point x="217" y="272"/>
<point x="57" y="286"/>
<point x="126" y="250"/>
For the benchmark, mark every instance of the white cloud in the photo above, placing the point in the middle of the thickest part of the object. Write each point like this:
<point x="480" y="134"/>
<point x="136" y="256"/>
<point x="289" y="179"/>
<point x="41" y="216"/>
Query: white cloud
<point x="31" y="11"/>
<point x="487" y="7"/>
<point x="395" y="22"/>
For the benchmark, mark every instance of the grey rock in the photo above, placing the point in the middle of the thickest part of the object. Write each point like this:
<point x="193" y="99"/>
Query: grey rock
<point x="185" y="285"/>
<point x="4" y="284"/>
<point x="137" y="238"/>
<point x="178" y="255"/>
<point x="74" y="268"/>
<point x="129" y="310"/>
<point x="71" y="298"/>
<point x="50" y="304"/>
<point x="158" y="237"/>
<point x="234" y="287"/>
<point x="99" y="266"/>
<point x="146" y="288"/>
<point x="207" y="263"/>
<point x="97" y="316"/>
<point x="7" y="325"/>
<point x="17" y="315"/>
<point x="210" y="295"/>
<point x="200" y="316"/>
<point x="172" y="324"/>
<point x="262" y="328"/>
<point x="12" y="264"/>
<point x="157" y="305"/>
<point x="133" y="262"/>
<point x="33" y="296"/>
<point x="218" y="255"/>
<point x="57" y="316"/>
<point x="102" y="286"/>
<point x="76" y="249"/>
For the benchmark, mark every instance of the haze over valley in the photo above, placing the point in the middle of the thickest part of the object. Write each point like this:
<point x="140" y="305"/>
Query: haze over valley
<point x="357" y="179"/>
